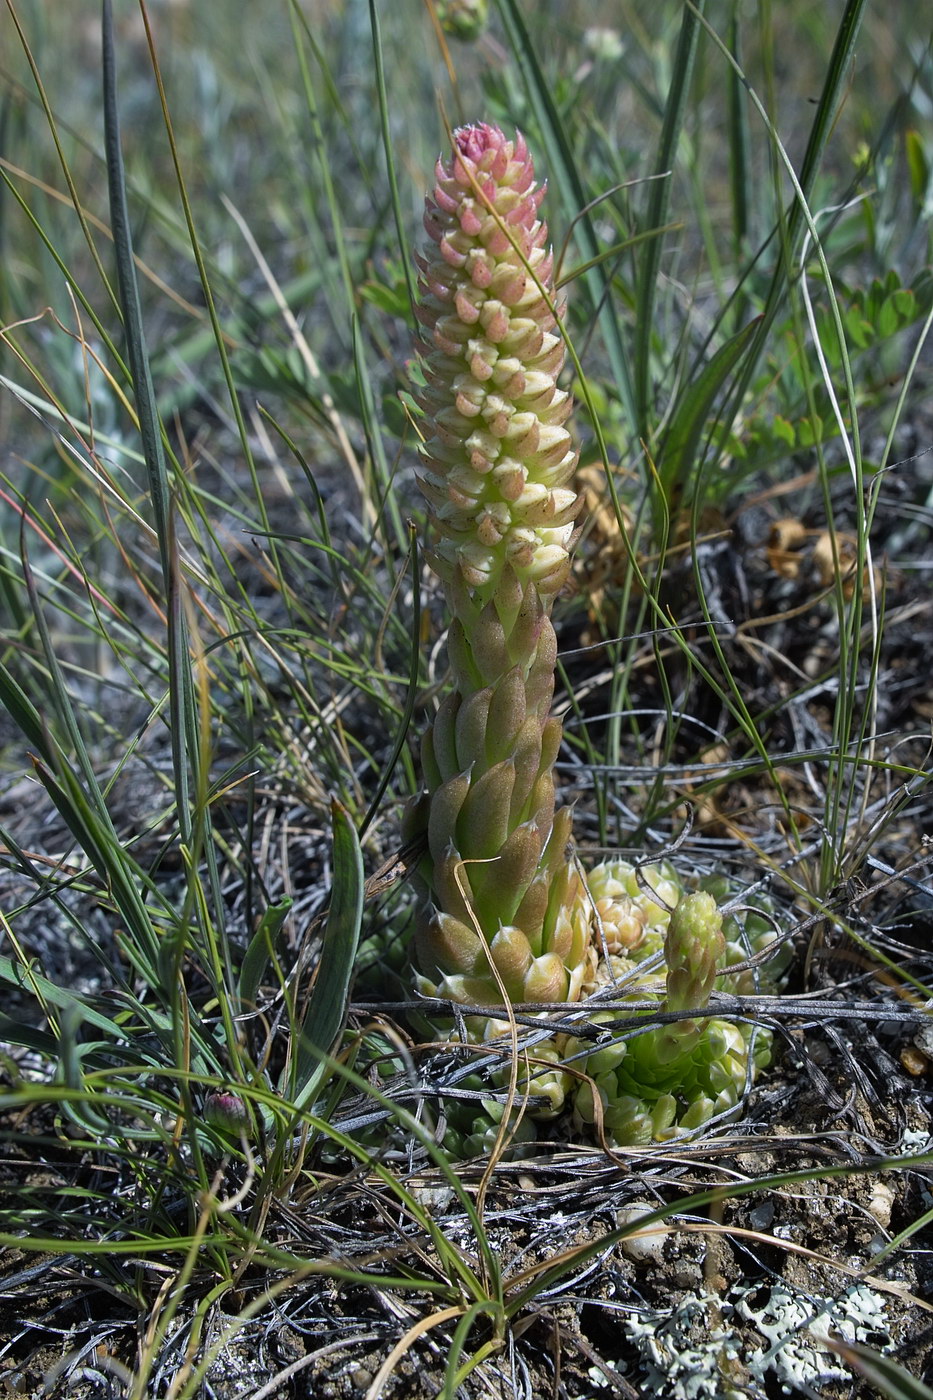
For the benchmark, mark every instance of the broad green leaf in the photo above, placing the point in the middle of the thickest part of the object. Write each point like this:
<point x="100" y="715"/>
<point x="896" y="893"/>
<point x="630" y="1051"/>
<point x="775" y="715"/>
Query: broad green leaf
<point x="887" y="322"/>
<point x="876" y="296"/>
<point x="809" y="431"/>
<point x="329" y="995"/>
<point x="261" y="950"/>
<point x="858" y="329"/>
<point x="905" y="304"/>
<point x="691" y="420"/>
<point x="783" y="429"/>
<point x="918" y="167"/>
<point x="922" y="288"/>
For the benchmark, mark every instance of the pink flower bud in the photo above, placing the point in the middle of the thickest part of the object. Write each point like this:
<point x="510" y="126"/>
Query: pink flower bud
<point x="227" y="1111"/>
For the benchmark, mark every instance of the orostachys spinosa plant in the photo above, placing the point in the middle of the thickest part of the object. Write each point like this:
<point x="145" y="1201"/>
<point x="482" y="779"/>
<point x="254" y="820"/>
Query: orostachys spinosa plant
<point x="507" y="904"/>
<point x="508" y="914"/>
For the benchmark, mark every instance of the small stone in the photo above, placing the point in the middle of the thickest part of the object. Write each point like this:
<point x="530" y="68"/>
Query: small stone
<point x="647" y="1245"/>
<point x="882" y="1199"/>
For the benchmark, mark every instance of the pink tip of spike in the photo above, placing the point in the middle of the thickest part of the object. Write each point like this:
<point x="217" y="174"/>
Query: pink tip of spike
<point x="474" y="141"/>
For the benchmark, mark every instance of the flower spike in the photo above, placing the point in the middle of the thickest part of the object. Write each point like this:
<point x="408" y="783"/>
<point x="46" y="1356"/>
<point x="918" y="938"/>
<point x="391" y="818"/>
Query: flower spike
<point x="507" y="914"/>
<point x="497" y="467"/>
<point x="498" y="459"/>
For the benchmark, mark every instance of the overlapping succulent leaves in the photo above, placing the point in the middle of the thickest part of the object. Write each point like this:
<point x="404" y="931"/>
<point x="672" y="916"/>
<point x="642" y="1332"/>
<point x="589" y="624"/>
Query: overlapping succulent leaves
<point x="672" y="1077"/>
<point x="507" y="913"/>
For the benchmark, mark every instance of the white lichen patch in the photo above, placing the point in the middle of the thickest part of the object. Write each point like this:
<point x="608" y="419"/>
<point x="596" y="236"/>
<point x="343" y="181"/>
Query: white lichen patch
<point x="700" y="1350"/>
<point x="676" y="1365"/>
<point x="796" y="1326"/>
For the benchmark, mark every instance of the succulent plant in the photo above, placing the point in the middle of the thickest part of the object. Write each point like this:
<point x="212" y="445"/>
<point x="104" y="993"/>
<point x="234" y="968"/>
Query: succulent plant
<point x="508" y="912"/>
<point x="508" y="916"/>
<point x="673" y="1077"/>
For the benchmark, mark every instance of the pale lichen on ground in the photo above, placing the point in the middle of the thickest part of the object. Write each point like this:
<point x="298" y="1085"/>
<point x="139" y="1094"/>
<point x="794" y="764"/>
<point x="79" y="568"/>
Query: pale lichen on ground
<point x="693" y="1352"/>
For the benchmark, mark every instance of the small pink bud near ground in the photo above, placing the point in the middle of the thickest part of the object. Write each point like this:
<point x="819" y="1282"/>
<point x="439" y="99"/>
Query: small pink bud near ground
<point x="225" y="1110"/>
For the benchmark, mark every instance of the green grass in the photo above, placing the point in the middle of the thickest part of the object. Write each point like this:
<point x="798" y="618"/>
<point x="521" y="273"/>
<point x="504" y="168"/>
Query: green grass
<point x="219" y="642"/>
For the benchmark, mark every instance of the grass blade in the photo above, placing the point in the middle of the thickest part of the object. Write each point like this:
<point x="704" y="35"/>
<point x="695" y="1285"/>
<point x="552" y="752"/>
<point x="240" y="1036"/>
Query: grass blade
<point x="659" y="198"/>
<point x="799" y="218"/>
<point x="184" y="728"/>
<point x="691" y="420"/>
<point x="892" y="1380"/>
<point x="21" y="1034"/>
<point x="388" y="147"/>
<point x="412" y="694"/>
<point x="261" y="950"/>
<point x="565" y="182"/>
